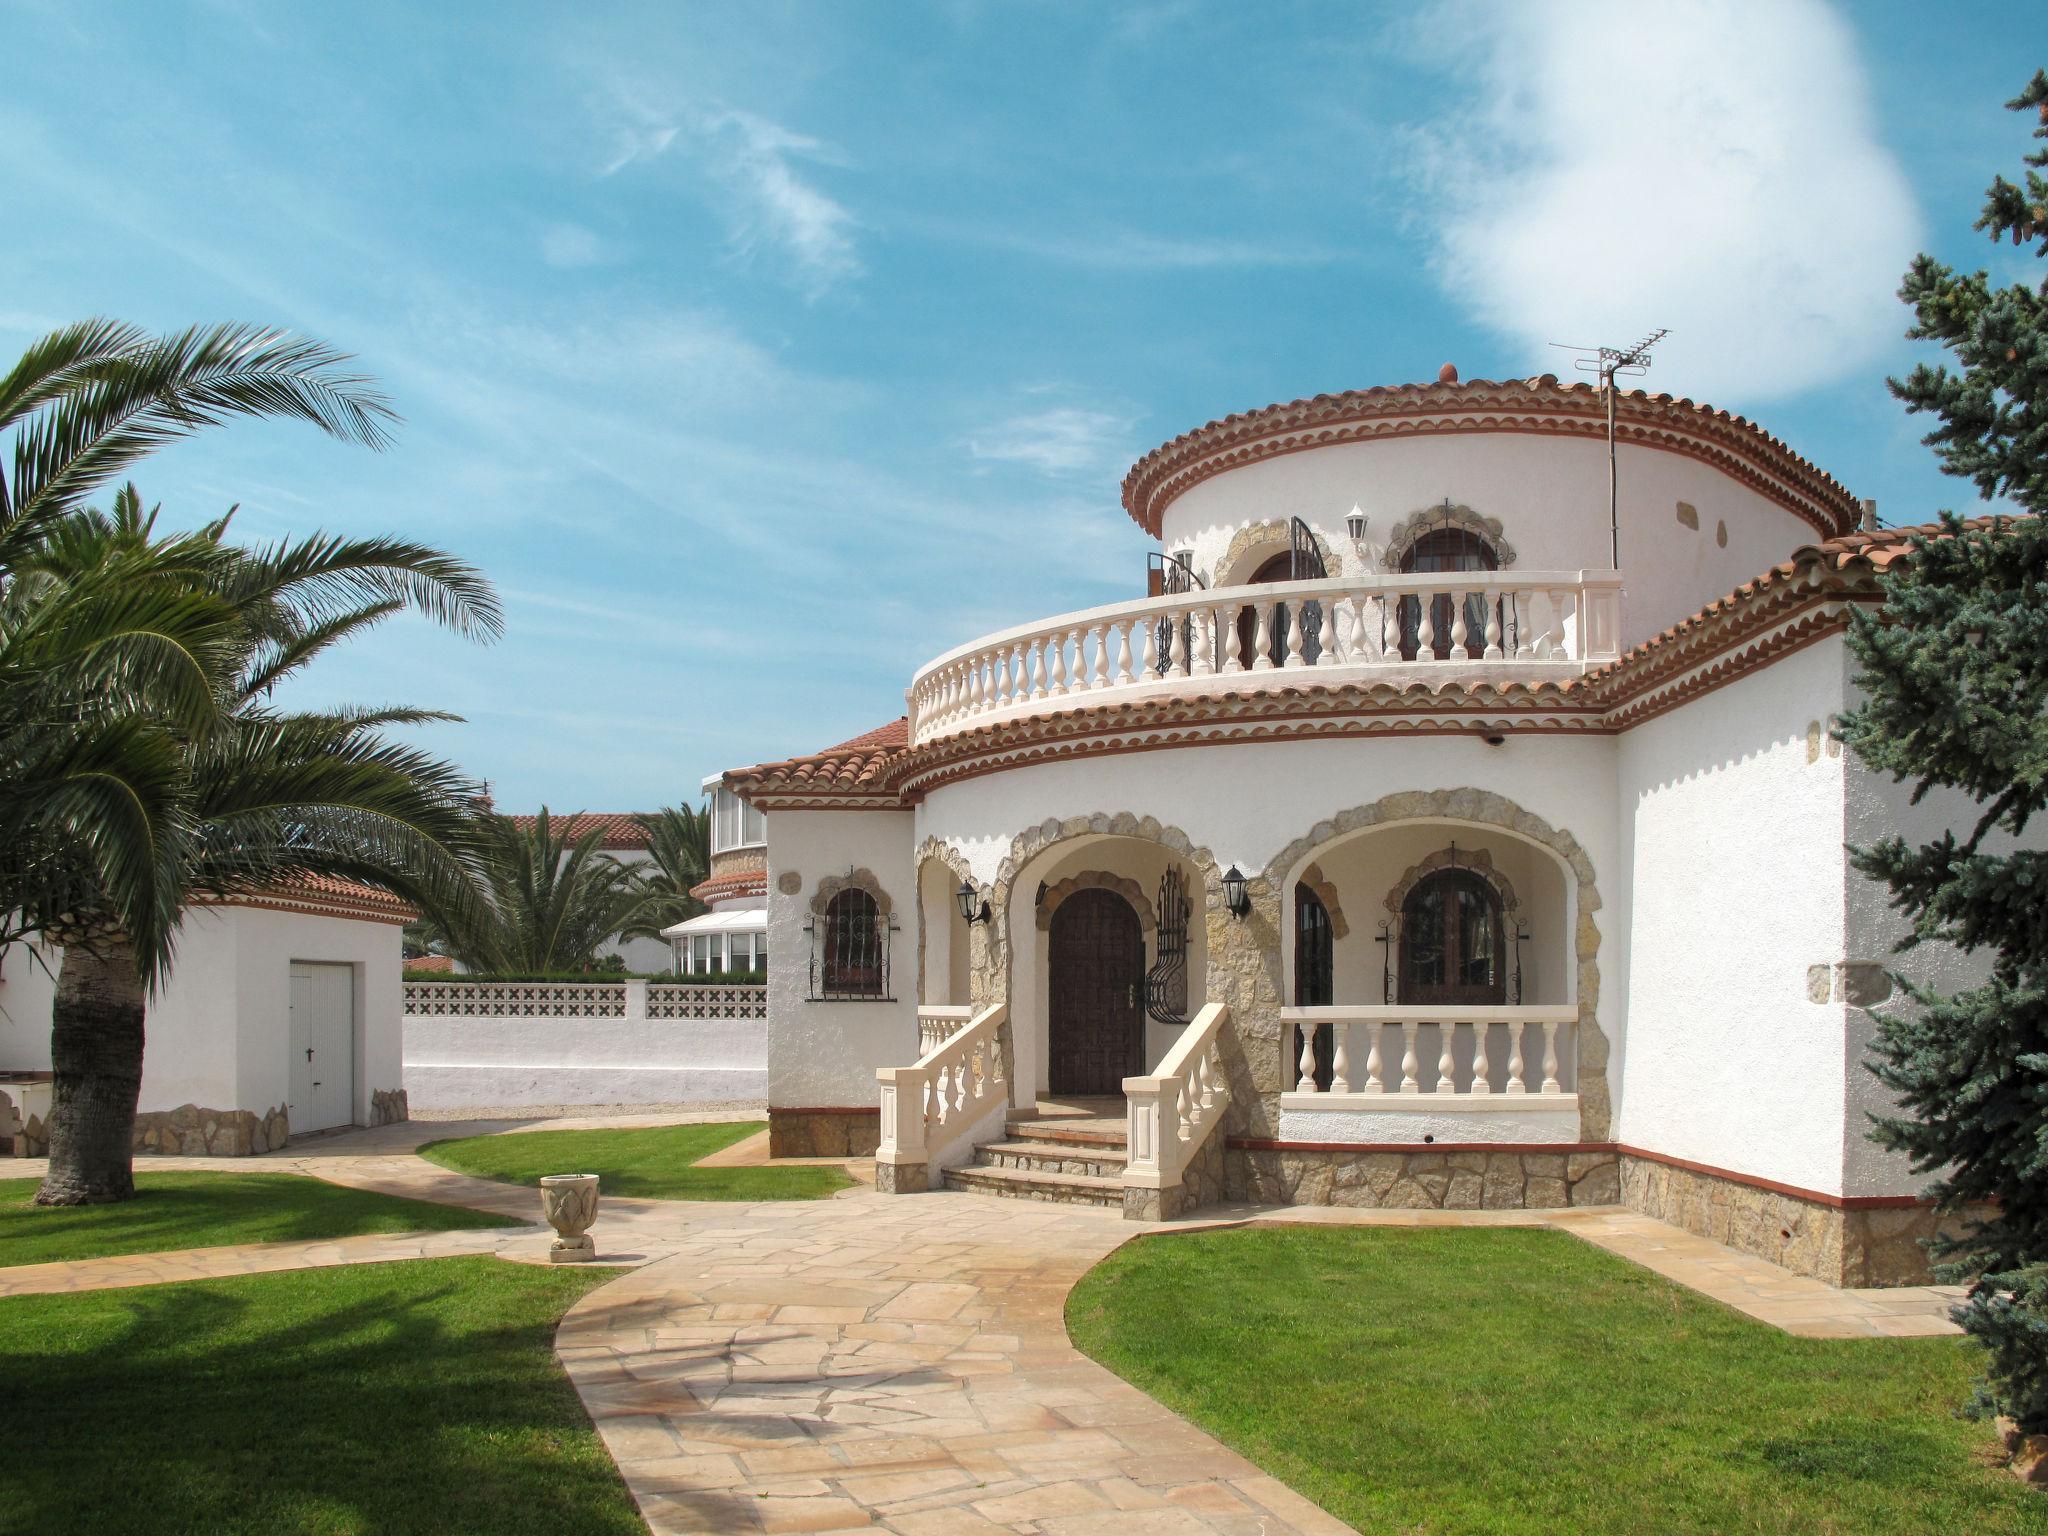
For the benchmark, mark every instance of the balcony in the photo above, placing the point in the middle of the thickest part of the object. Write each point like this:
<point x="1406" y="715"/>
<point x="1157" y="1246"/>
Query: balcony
<point x="1460" y="629"/>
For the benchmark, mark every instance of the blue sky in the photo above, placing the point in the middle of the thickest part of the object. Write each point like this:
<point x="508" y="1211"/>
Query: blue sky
<point x="761" y="352"/>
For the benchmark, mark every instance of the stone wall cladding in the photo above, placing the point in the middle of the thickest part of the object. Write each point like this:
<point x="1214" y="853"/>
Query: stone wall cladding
<point x="388" y="1106"/>
<point x="189" y="1131"/>
<point x="1861" y="1246"/>
<point x="824" y="1133"/>
<point x="1422" y="1179"/>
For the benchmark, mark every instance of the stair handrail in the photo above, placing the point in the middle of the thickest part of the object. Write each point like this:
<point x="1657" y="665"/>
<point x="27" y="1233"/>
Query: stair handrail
<point x="1175" y="1109"/>
<point x="950" y="1085"/>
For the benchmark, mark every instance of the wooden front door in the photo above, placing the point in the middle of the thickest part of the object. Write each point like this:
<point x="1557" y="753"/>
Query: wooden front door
<point x="1095" y="1004"/>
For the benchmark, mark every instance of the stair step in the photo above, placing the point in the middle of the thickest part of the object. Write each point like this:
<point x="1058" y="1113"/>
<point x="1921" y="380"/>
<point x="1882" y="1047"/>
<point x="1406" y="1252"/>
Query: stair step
<point x="1022" y="1184"/>
<point x="1087" y="1133"/>
<point x="1085" y="1158"/>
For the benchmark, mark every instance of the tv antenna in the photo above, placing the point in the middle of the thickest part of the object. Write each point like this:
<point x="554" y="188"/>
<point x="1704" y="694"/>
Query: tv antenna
<point x="1607" y="362"/>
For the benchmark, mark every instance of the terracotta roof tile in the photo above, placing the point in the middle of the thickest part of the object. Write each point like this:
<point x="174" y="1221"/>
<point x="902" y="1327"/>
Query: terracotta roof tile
<point x="849" y="768"/>
<point x="741" y="882"/>
<point x="1543" y="403"/>
<point x="620" y="831"/>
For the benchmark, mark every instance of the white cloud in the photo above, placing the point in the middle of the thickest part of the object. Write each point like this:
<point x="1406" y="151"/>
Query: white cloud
<point x="570" y="245"/>
<point x="1714" y="168"/>
<point x="769" y="204"/>
<point x="1062" y="441"/>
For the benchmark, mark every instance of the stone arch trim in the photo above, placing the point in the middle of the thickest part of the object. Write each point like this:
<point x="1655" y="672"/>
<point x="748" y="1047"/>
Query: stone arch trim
<point x="935" y="850"/>
<point x="1098" y="880"/>
<point x="1411" y="528"/>
<point x="1326" y="893"/>
<point x="853" y="879"/>
<point x="1476" y="861"/>
<point x="1263" y="540"/>
<point x="1481" y="807"/>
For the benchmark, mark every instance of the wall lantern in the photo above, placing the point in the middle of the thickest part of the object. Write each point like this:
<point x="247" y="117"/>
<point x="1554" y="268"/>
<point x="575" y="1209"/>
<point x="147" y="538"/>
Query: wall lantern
<point x="972" y="907"/>
<point x="1354" y="523"/>
<point x="1234" y="895"/>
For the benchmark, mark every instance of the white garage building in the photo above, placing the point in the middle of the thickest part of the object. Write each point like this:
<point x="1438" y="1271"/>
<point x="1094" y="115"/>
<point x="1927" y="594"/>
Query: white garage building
<point x="281" y="1017"/>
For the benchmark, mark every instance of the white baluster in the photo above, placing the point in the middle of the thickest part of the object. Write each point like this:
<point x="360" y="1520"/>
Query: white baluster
<point x="1516" y="1084"/>
<point x="1262" y="640"/>
<point x="1447" y="1057"/>
<point x="1459" y="650"/>
<point x="1176" y="647"/>
<point x="1202" y="663"/>
<point x="1493" y="650"/>
<point x="1123" y="652"/>
<point x="1550" y="1083"/>
<point x="1409" y="1065"/>
<point x="1148" y="649"/>
<point x="1337" y="612"/>
<point x="1056" y="672"/>
<point x="1307" y="1064"/>
<point x="1525" y="613"/>
<point x="1374" y="1083"/>
<point x="1425" y="628"/>
<point x="1340" y="1057"/>
<point x="1390" y="625"/>
<point x="1296" y="615"/>
<point x="1233" y="640"/>
<point x="1481" y="1082"/>
<point x="1037" y="654"/>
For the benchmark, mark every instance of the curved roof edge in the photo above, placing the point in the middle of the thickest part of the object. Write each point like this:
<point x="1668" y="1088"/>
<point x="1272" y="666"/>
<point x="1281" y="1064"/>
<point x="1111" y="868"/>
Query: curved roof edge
<point x="1731" y="443"/>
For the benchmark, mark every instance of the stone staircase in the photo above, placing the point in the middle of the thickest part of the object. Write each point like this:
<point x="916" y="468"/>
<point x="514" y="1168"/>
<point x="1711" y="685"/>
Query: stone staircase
<point x="1073" y="1153"/>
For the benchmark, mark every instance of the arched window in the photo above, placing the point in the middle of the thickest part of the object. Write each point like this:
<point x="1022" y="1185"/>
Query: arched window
<point x="1453" y="941"/>
<point x="854" y="939"/>
<point x="1439" y="550"/>
<point x="1285" y="566"/>
<point x="1314" y="973"/>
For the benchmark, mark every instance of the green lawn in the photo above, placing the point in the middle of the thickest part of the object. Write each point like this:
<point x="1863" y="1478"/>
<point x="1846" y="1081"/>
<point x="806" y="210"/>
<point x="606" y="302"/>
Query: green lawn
<point x="389" y="1398"/>
<point x="654" y="1162"/>
<point x="209" y="1210"/>
<point x="1518" y="1381"/>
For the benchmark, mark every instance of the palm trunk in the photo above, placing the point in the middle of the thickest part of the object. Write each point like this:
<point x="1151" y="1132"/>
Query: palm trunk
<point x="96" y="1056"/>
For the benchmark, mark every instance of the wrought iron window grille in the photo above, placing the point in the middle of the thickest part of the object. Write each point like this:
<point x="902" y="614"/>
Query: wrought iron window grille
<point x="850" y="947"/>
<point x="1166" y="984"/>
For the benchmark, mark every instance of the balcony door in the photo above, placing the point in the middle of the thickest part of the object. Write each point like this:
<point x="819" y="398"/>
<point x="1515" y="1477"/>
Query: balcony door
<point x="1445" y="549"/>
<point x="1453" y="942"/>
<point x="1095" y="1013"/>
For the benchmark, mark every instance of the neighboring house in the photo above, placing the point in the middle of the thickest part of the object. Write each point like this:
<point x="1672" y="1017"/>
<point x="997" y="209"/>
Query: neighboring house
<point x="281" y="1016"/>
<point x="625" y="840"/>
<point x="733" y="935"/>
<point x="1399" y="851"/>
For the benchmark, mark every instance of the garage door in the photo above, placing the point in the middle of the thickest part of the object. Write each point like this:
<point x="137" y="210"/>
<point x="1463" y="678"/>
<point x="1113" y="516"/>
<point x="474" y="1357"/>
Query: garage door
<point x="323" y="1046"/>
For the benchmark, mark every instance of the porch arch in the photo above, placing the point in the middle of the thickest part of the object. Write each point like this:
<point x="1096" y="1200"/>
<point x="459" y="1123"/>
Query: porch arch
<point x="1484" y="808"/>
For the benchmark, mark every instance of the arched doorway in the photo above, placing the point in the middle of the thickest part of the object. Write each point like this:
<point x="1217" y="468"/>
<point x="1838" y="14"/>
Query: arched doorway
<point x="1453" y="941"/>
<point x="1445" y="549"/>
<point x="1095" y="995"/>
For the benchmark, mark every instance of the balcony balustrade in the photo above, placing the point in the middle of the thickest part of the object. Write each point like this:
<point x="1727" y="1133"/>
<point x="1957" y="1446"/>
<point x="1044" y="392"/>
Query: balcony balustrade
<point x="1409" y="1058"/>
<point x="1464" y="626"/>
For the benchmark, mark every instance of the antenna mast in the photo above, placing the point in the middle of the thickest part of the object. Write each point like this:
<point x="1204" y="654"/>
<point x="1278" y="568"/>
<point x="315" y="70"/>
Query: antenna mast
<point x="1607" y="362"/>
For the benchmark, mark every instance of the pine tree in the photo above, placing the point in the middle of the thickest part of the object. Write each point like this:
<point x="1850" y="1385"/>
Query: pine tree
<point x="1954" y="671"/>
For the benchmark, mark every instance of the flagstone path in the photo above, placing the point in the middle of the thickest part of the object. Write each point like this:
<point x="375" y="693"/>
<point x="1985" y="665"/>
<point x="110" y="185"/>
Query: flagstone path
<point x="870" y="1362"/>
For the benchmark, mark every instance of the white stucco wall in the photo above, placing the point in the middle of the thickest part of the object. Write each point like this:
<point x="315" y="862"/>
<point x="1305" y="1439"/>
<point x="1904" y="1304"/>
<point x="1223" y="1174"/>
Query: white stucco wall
<point x="454" y="1062"/>
<point x="1735" y="841"/>
<point x="218" y="1034"/>
<point x="824" y="1054"/>
<point x="28" y="980"/>
<point x="1549" y="494"/>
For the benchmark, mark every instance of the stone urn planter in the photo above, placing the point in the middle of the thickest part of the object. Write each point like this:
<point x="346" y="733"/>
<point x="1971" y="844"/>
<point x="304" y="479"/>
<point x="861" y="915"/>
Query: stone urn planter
<point x="570" y="1201"/>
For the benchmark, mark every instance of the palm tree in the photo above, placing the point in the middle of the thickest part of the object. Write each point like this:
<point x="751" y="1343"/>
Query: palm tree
<point x="551" y="901"/>
<point x="138" y="768"/>
<point x="100" y="679"/>
<point x="260" y="796"/>
<point x="679" y="849"/>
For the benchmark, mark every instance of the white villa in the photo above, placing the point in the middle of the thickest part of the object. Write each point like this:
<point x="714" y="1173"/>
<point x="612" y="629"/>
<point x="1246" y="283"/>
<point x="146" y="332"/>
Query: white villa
<point x="1421" y="839"/>
<point x="733" y="935"/>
